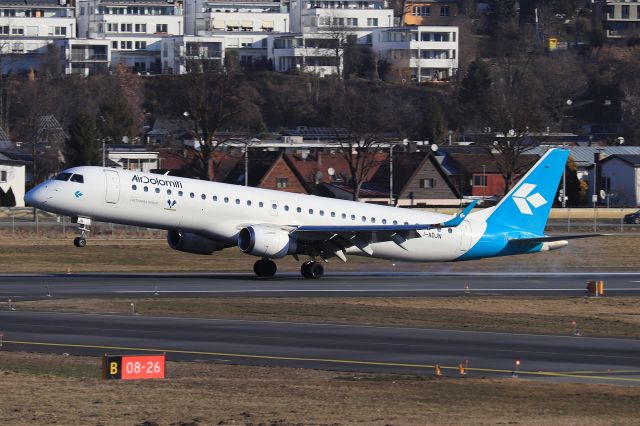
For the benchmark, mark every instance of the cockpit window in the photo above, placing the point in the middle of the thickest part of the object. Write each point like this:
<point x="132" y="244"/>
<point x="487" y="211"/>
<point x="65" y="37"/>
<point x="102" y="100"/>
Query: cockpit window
<point x="77" y="178"/>
<point x="63" y="176"/>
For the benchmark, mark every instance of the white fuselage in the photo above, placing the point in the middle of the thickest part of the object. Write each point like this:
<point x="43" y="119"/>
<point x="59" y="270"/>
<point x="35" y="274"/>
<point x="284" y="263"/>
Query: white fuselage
<point x="219" y="211"/>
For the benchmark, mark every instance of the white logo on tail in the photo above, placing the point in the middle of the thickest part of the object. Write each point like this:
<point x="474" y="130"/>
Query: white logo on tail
<point x="523" y="200"/>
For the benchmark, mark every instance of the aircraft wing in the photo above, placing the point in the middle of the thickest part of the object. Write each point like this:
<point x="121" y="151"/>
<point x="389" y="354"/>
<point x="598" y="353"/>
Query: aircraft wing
<point x="549" y="238"/>
<point x="329" y="241"/>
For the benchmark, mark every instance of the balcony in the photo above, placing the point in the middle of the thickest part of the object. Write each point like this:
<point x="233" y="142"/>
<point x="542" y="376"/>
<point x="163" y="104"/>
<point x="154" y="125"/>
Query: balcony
<point x="86" y="56"/>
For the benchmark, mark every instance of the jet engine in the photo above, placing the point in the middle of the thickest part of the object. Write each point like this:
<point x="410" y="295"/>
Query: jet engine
<point x="193" y="243"/>
<point x="265" y="241"/>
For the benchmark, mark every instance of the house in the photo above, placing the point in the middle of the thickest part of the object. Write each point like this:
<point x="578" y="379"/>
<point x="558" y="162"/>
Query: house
<point x="619" y="178"/>
<point x="268" y="170"/>
<point x="418" y="180"/>
<point x="478" y="175"/>
<point x="133" y="157"/>
<point x="12" y="181"/>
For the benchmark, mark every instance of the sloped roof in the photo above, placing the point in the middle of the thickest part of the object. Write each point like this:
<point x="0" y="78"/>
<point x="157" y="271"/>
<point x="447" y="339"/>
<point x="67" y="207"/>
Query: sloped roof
<point x="260" y="162"/>
<point x="633" y="160"/>
<point x="584" y="155"/>
<point x="462" y="164"/>
<point x="318" y="164"/>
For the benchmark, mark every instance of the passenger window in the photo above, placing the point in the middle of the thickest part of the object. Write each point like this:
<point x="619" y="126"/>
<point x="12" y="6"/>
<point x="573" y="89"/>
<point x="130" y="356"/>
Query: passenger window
<point x="134" y="187"/>
<point x="204" y="197"/>
<point x="384" y="221"/>
<point x="157" y="190"/>
<point x="226" y="199"/>
<point x="353" y="217"/>
<point x="344" y="215"/>
<point x="146" y="189"/>
<point x="237" y="200"/>
<point x="286" y="208"/>
<point x="373" y="220"/>
<point x="64" y="176"/>
<point x="321" y="212"/>
<point x="395" y="222"/>
<point x="299" y="210"/>
<point x="192" y="195"/>
<point x="180" y="193"/>
<point x="77" y="179"/>
<point x="168" y="192"/>
<point x="364" y="218"/>
<point x="406" y="223"/>
<point x="333" y="214"/>
<point x="274" y="206"/>
<point x="260" y="204"/>
<point x="310" y="211"/>
<point x="249" y="202"/>
<point x="215" y="198"/>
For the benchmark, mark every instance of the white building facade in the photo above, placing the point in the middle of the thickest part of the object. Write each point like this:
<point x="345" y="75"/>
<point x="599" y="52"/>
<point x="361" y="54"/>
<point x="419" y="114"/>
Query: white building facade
<point x="424" y="53"/>
<point x="12" y="181"/>
<point x="320" y="15"/>
<point x="135" y="29"/>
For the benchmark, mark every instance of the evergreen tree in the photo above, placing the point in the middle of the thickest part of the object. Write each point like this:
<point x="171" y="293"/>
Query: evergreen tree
<point x="475" y="83"/>
<point x="83" y="147"/>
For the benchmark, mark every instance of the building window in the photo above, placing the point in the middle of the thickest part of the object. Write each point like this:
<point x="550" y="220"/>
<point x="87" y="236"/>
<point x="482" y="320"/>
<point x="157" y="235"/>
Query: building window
<point x="352" y="22"/>
<point x="60" y="31"/>
<point x="282" y="182"/>
<point x="427" y="183"/>
<point x="4" y="29"/>
<point x="161" y="28"/>
<point x="624" y="12"/>
<point x="17" y="31"/>
<point x="421" y="11"/>
<point x="3" y="176"/>
<point x="126" y="28"/>
<point x="141" y="28"/>
<point x="480" y="180"/>
<point x="141" y="45"/>
<point x="126" y="45"/>
<point x="114" y="44"/>
<point x="444" y="11"/>
<point x="372" y="22"/>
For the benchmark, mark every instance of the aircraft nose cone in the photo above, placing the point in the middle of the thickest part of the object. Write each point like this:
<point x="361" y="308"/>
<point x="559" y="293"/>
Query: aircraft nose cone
<point x="35" y="197"/>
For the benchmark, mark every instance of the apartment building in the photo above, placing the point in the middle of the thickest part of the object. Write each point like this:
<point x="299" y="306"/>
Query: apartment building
<point x="316" y="53"/>
<point x="329" y="15"/>
<point x="621" y="18"/>
<point x="423" y="53"/>
<point x="27" y="30"/>
<point x="240" y="16"/>
<point x="84" y="56"/>
<point x="134" y="28"/>
<point x="437" y="12"/>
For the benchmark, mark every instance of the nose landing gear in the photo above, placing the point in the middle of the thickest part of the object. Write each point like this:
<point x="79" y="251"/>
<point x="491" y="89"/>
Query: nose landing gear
<point x="312" y="269"/>
<point x="83" y="227"/>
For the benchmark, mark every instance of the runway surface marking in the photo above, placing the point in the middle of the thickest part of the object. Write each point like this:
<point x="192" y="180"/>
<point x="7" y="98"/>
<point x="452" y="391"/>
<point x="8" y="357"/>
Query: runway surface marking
<point x="372" y="290"/>
<point x="328" y="360"/>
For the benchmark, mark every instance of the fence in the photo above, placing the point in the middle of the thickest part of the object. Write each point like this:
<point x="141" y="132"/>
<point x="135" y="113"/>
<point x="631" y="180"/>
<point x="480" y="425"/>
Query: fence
<point x="16" y="221"/>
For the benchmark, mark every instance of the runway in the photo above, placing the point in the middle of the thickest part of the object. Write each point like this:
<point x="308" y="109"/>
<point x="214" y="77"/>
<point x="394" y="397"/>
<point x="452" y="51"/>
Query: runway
<point x="38" y="286"/>
<point x="325" y="346"/>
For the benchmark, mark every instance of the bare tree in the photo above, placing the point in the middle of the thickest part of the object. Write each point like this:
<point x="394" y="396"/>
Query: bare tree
<point x="362" y="122"/>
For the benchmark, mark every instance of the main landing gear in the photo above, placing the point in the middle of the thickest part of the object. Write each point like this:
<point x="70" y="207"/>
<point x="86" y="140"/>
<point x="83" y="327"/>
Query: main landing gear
<point x="312" y="269"/>
<point x="265" y="268"/>
<point x="83" y="227"/>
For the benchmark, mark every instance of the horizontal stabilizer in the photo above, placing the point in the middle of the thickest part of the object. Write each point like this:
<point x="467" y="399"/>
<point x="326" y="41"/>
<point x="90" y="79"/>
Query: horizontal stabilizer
<point x="457" y="220"/>
<point x="550" y="238"/>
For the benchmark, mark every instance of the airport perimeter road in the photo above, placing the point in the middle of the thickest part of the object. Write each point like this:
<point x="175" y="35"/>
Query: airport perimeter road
<point x="327" y="346"/>
<point x="33" y="287"/>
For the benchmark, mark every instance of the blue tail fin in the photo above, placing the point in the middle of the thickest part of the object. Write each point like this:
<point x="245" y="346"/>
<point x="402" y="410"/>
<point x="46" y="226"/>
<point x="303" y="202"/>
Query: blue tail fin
<point x="526" y="207"/>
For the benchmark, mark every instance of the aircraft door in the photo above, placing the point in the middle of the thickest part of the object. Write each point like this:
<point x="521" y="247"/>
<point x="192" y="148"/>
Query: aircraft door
<point x="112" y="194"/>
<point x="465" y="236"/>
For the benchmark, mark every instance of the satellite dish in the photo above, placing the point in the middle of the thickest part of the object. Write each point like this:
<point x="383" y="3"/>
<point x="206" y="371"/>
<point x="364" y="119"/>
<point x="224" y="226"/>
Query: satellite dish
<point x="603" y="194"/>
<point x="434" y="147"/>
<point x="125" y="139"/>
<point x="331" y="171"/>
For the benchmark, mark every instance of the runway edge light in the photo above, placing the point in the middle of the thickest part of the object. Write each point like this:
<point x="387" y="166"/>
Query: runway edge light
<point x="133" y="367"/>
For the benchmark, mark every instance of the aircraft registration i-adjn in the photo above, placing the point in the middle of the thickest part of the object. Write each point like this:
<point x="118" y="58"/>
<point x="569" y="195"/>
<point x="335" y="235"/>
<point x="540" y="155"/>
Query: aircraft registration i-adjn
<point x="203" y="217"/>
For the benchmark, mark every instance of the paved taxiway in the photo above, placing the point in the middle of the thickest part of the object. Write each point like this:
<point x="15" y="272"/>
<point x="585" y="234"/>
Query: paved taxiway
<point x="327" y="346"/>
<point x="30" y="287"/>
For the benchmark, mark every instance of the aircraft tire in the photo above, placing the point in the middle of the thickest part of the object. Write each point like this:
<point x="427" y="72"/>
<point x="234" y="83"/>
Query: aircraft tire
<point x="79" y="241"/>
<point x="265" y="268"/>
<point x="316" y="270"/>
<point x="305" y="269"/>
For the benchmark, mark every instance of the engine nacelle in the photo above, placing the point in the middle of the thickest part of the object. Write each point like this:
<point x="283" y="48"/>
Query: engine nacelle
<point x="266" y="241"/>
<point x="193" y="243"/>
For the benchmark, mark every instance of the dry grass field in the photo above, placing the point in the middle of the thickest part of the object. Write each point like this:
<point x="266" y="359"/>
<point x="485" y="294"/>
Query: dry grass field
<point x="56" y="389"/>
<point x="616" y="252"/>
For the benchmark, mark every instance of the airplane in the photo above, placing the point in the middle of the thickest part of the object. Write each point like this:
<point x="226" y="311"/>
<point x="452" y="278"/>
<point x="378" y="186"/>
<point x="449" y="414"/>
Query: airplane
<point x="203" y="217"/>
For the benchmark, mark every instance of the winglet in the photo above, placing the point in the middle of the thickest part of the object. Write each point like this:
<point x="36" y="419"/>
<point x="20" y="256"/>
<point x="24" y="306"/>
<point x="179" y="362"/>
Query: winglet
<point x="457" y="220"/>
